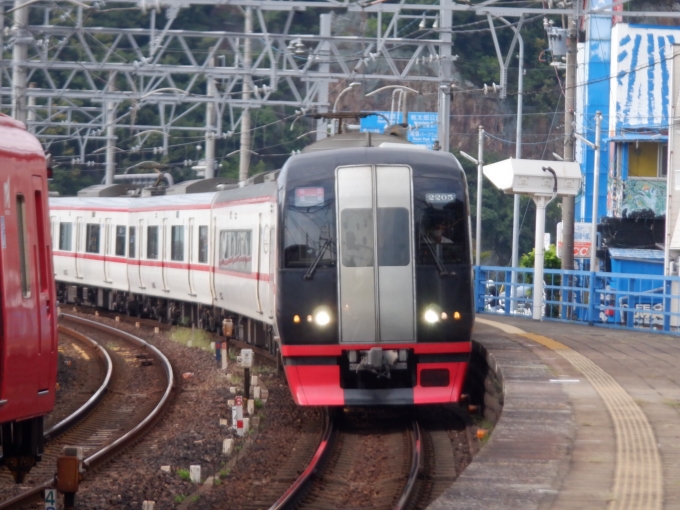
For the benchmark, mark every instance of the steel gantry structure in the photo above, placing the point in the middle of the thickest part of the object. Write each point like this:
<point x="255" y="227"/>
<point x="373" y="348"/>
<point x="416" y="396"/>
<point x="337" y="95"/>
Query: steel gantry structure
<point x="87" y="82"/>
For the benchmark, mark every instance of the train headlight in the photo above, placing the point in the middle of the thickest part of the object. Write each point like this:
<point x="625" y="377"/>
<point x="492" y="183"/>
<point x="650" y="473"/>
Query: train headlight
<point x="322" y="317"/>
<point x="431" y="316"/>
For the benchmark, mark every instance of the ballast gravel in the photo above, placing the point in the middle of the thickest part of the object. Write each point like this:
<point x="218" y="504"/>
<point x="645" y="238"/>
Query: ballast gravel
<point x="189" y="433"/>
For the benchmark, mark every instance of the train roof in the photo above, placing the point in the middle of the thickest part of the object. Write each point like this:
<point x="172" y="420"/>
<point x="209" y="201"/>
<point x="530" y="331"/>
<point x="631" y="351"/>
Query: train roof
<point x="17" y="141"/>
<point x="247" y="194"/>
<point x="435" y="163"/>
<point x="354" y="139"/>
<point x="132" y="203"/>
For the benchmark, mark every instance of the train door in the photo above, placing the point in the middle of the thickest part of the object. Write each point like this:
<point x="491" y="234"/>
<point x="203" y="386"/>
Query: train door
<point x="272" y="271"/>
<point x="107" y="250"/>
<point x="191" y="255"/>
<point x="375" y="237"/>
<point x="79" y="245"/>
<point x="259" y="263"/>
<point x="164" y="252"/>
<point x="140" y="252"/>
<point x="42" y="256"/>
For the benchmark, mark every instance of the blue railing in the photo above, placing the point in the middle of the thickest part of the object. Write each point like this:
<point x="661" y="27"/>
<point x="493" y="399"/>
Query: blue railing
<point x="639" y="301"/>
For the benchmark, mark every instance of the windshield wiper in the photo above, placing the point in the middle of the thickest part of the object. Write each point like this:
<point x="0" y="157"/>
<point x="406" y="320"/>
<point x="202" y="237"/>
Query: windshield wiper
<point x="437" y="260"/>
<point x="310" y="273"/>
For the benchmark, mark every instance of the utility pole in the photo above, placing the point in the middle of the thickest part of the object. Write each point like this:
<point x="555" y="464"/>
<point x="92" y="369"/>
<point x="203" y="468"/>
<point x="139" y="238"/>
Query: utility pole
<point x="19" y="57"/>
<point x="596" y="190"/>
<point x="210" y="127"/>
<point x="445" y="63"/>
<point x="569" y="121"/>
<point x="518" y="153"/>
<point x="244" y="156"/>
<point x="325" y="21"/>
<point x="480" y="179"/>
<point x="110" y="134"/>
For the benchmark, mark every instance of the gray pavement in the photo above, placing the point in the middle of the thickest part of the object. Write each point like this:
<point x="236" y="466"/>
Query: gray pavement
<point x="591" y="420"/>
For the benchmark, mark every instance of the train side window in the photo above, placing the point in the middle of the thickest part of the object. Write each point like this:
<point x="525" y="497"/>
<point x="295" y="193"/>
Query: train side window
<point x="23" y="246"/>
<point x="203" y="244"/>
<point x="120" y="240"/>
<point x="177" y="247"/>
<point x="92" y="238"/>
<point x="132" y="243"/>
<point x="152" y="242"/>
<point x="235" y="250"/>
<point x="66" y="236"/>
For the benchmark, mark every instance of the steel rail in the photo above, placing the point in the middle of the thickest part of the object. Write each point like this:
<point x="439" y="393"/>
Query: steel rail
<point x="409" y="489"/>
<point x="288" y="499"/>
<point x="100" y="456"/>
<point x="80" y="413"/>
<point x="91" y="403"/>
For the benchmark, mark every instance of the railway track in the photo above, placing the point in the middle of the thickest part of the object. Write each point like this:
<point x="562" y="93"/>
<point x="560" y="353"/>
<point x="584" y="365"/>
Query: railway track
<point x="152" y="324"/>
<point x="122" y="413"/>
<point x="369" y="461"/>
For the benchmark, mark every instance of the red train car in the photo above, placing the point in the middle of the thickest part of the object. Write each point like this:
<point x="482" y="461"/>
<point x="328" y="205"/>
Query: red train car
<point x="28" y="337"/>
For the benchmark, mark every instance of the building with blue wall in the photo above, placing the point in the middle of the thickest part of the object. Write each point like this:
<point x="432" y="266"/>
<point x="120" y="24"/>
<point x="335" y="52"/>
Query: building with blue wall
<point x="624" y="72"/>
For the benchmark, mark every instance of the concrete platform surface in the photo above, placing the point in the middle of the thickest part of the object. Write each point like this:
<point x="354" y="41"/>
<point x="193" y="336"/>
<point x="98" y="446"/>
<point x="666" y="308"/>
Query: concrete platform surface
<point x="591" y="420"/>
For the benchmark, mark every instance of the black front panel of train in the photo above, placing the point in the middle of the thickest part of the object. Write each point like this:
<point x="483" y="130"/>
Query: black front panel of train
<point x="307" y="283"/>
<point x="307" y="280"/>
<point x="443" y="272"/>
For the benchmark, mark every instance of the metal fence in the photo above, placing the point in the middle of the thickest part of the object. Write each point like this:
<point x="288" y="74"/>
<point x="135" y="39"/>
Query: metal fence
<point x="638" y="301"/>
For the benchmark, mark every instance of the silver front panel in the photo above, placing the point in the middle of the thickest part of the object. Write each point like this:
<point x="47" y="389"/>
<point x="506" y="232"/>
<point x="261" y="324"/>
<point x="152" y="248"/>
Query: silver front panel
<point x="356" y="253"/>
<point x="395" y="254"/>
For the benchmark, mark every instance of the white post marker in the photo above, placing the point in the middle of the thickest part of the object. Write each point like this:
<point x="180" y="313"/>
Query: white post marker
<point x="251" y="407"/>
<point x="257" y="392"/>
<point x="246" y="425"/>
<point x="195" y="473"/>
<point x="237" y="415"/>
<point x="50" y="499"/>
<point x="224" y="355"/>
<point x="246" y="358"/>
<point x="148" y="505"/>
<point x="228" y="446"/>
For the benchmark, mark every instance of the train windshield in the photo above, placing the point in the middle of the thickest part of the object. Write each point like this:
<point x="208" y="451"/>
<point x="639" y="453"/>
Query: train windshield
<point x="441" y="221"/>
<point x="309" y="227"/>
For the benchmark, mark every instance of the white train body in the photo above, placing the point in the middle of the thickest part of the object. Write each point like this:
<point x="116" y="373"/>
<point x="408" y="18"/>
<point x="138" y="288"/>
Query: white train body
<point x="205" y="256"/>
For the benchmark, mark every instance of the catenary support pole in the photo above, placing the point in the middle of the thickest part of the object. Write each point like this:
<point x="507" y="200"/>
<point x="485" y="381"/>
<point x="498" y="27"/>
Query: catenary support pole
<point x="210" y="127"/>
<point x="480" y="180"/>
<point x="30" y="114"/>
<point x="596" y="190"/>
<point x="19" y="57"/>
<point x="244" y="156"/>
<point x="110" y="134"/>
<point x="325" y="21"/>
<point x="445" y="73"/>
<point x="518" y="155"/>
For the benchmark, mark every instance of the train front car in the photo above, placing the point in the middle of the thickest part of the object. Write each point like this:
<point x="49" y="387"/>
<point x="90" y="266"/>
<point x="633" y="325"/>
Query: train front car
<point x="374" y="289"/>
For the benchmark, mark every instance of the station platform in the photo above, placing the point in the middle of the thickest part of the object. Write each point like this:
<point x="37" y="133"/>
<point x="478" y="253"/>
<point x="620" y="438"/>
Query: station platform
<point x="591" y="420"/>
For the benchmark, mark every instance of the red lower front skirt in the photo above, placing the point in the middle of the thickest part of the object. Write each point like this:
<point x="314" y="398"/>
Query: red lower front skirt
<point x="314" y="376"/>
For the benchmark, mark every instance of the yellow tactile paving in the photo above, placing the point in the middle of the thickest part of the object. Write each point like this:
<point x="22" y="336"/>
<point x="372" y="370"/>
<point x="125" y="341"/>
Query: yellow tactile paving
<point x="638" y="483"/>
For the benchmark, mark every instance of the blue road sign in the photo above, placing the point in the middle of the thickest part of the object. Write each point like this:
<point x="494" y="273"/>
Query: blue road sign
<point x="422" y="126"/>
